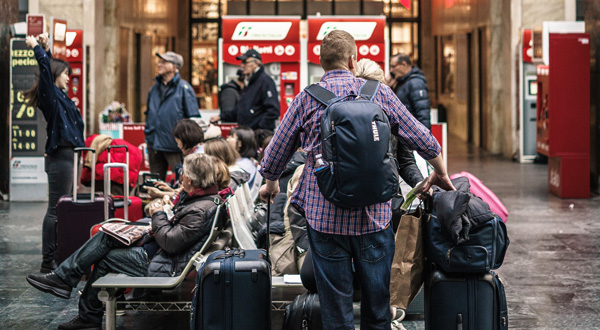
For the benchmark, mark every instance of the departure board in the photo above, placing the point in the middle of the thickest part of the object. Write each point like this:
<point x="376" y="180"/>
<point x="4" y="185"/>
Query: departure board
<point x="28" y="126"/>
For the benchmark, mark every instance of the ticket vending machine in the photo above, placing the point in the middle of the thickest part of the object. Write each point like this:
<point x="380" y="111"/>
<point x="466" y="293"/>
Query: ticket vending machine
<point x="75" y="56"/>
<point x="528" y="104"/>
<point x="368" y="32"/>
<point x="276" y="38"/>
<point x="563" y="108"/>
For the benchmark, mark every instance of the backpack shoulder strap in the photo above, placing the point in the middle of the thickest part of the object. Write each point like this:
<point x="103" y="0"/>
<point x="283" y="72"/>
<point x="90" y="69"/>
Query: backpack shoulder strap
<point x="321" y="94"/>
<point x="369" y="89"/>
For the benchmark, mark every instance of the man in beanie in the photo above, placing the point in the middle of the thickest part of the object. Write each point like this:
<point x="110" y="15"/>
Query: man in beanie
<point x="169" y="100"/>
<point x="258" y="106"/>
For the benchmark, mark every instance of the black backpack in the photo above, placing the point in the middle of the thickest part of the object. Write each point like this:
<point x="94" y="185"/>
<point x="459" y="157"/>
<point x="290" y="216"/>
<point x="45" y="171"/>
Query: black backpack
<point x="360" y="168"/>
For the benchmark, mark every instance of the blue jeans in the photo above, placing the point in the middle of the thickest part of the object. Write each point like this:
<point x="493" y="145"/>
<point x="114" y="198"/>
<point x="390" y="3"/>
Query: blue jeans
<point x="333" y="258"/>
<point x="59" y="168"/>
<point x="107" y="255"/>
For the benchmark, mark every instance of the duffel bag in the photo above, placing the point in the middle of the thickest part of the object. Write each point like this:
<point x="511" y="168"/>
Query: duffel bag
<point x="484" y="251"/>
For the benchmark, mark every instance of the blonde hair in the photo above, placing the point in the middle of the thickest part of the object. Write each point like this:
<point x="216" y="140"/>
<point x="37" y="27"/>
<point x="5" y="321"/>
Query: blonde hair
<point x="221" y="149"/>
<point x="201" y="170"/>
<point x="370" y="70"/>
<point x="337" y="46"/>
<point x="223" y="174"/>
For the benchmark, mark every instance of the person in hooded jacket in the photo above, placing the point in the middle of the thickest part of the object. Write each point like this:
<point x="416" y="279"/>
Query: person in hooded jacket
<point x="167" y="251"/>
<point x="258" y="107"/>
<point x="169" y="100"/>
<point x="409" y="84"/>
<point x="230" y="92"/>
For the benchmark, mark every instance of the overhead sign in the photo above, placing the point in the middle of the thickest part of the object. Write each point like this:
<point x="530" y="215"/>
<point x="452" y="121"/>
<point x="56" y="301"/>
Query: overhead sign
<point x="36" y="24"/>
<point x="368" y="32"/>
<point x="277" y="39"/>
<point x="59" y="38"/>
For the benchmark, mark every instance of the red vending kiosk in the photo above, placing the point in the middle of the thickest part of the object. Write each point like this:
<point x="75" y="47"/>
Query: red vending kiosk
<point x="74" y="43"/>
<point x="563" y="114"/>
<point x="276" y="38"/>
<point x="368" y="32"/>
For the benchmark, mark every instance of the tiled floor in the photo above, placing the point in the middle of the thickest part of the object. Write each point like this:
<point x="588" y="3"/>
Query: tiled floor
<point x="551" y="271"/>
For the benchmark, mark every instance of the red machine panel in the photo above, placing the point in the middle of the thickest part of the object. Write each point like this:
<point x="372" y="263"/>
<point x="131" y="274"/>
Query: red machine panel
<point x="564" y="97"/>
<point x="74" y="55"/>
<point x="563" y="114"/>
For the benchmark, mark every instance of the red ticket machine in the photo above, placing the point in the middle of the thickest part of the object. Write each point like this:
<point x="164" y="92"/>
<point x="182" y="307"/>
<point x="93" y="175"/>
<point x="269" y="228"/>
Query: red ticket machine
<point x="74" y="43"/>
<point x="276" y="38"/>
<point x="368" y="32"/>
<point x="563" y="114"/>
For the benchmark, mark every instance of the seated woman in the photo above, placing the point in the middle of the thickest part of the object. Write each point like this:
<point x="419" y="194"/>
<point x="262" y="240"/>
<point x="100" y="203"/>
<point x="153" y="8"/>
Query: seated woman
<point x="174" y="241"/>
<point x="242" y="139"/>
<point x="222" y="150"/>
<point x="189" y="137"/>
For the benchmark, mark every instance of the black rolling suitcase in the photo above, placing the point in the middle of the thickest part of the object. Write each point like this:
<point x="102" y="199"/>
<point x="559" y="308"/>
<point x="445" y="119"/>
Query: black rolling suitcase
<point x="465" y="302"/>
<point x="76" y="214"/>
<point x="233" y="290"/>
<point x="303" y="313"/>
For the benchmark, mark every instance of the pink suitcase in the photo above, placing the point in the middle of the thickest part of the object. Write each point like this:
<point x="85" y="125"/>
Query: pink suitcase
<point x="480" y="190"/>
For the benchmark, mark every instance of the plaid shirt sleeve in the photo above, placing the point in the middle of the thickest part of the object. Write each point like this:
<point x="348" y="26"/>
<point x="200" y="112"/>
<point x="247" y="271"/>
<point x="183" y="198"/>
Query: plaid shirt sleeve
<point x="284" y="143"/>
<point x="409" y="129"/>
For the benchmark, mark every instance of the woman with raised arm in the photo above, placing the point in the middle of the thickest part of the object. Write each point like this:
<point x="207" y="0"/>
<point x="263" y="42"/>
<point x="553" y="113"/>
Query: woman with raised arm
<point x="64" y="131"/>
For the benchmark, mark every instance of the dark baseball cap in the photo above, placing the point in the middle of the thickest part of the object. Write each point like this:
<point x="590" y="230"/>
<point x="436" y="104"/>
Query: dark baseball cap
<point x="250" y="53"/>
<point x="172" y="57"/>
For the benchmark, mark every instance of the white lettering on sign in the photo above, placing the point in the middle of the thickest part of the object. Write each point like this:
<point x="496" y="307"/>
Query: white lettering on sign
<point x="359" y="30"/>
<point x="290" y="50"/>
<point x="261" y="30"/>
<point x="232" y="50"/>
<point x="279" y="50"/>
<point x="317" y="50"/>
<point x="554" y="178"/>
<point x="584" y="41"/>
<point x="374" y="50"/>
<point x="363" y="50"/>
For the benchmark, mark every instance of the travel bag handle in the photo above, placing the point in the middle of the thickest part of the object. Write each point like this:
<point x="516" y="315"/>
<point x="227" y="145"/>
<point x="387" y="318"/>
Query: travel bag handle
<point x="268" y="239"/>
<point x="78" y="152"/>
<point x="107" y="168"/>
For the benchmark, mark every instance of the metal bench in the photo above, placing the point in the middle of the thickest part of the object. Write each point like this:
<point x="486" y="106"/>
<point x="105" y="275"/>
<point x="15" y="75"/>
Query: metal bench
<point x="111" y="283"/>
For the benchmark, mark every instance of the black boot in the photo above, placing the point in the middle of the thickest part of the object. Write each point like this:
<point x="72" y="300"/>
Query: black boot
<point x="50" y="283"/>
<point x="78" y="324"/>
<point x="48" y="267"/>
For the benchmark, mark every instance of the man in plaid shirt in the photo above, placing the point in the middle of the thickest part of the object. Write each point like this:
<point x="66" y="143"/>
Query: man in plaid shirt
<point x="343" y="238"/>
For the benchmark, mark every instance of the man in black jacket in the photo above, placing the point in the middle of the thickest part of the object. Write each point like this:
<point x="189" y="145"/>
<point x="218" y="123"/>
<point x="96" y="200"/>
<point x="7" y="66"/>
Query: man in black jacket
<point x="409" y="84"/>
<point x="258" y="107"/>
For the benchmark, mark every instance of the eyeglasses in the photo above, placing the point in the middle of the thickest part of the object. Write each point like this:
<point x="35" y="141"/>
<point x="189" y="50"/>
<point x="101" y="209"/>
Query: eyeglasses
<point x="248" y="60"/>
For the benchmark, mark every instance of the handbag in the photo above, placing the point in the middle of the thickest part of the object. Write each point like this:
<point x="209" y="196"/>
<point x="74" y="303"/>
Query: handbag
<point x="406" y="276"/>
<point x="483" y="251"/>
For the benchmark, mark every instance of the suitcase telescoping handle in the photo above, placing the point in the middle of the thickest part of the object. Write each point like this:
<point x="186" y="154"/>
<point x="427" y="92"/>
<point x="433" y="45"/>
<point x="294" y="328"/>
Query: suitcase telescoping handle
<point x="125" y="168"/>
<point x="268" y="241"/>
<point x="116" y="146"/>
<point x="76" y="158"/>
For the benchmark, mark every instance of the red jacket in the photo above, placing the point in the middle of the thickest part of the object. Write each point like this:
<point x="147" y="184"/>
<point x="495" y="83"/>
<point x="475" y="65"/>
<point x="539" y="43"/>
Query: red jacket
<point x="116" y="156"/>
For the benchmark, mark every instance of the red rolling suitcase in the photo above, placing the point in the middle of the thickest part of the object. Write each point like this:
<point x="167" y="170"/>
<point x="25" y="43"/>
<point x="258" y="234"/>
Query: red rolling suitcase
<point x="76" y="214"/>
<point x="135" y="211"/>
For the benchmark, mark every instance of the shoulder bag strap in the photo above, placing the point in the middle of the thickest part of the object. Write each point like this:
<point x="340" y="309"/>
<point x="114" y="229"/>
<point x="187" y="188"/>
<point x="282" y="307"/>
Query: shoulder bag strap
<point x="369" y="89"/>
<point x="321" y="94"/>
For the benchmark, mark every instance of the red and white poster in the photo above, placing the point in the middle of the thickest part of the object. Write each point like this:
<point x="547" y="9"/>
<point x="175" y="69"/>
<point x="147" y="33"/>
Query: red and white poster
<point x="277" y="39"/>
<point x="58" y="35"/>
<point x="368" y="33"/>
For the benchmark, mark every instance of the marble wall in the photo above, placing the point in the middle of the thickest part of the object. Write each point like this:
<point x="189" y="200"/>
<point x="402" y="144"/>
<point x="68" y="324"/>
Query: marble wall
<point x="9" y="14"/>
<point x="502" y="21"/>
